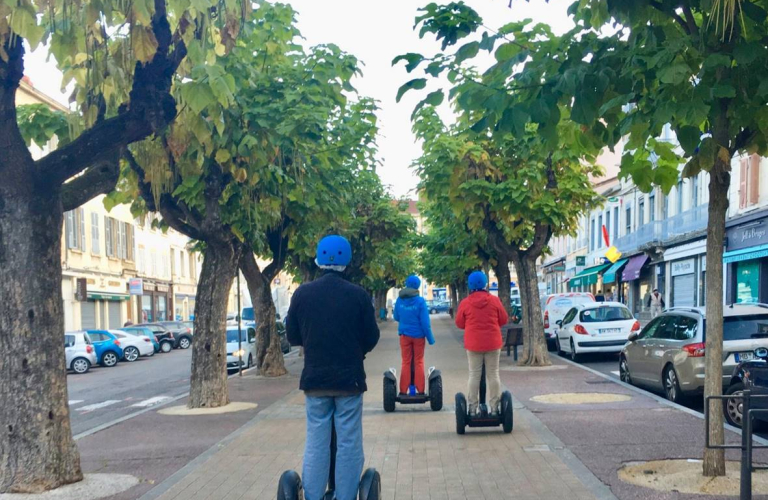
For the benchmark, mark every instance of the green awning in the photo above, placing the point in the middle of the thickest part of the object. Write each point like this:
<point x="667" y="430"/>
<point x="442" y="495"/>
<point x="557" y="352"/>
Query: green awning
<point x="610" y="274"/>
<point x="746" y="254"/>
<point x="108" y="296"/>
<point x="588" y="276"/>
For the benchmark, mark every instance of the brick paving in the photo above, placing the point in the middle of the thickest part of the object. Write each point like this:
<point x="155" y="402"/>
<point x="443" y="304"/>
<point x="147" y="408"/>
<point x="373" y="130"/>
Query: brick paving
<point x="417" y="451"/>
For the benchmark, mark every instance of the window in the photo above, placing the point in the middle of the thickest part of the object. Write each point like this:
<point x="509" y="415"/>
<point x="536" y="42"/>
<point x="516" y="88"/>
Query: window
<point x="599" y="230"/>
<point x="666" y="328"/>
<point x="108" y="242"/>
<point x="684" y="327"/>
<point x="153" y="262"/>
<point x="69" y="341"/>
<point x="608" y="222"/>
<point x="641" y="212"/>
<point x="753" y="326"/>
<point x="569" y="316"/>
<point x="592" y="234"/>
<point x="679" y="197"/>
<point x="604" y="314"/>
<point x="142" y="261"/>
<point x="666" y="206"/>
<point x="192" y="269"/>
<point x="749" y="181"/>
<point x="183" y="264"/>
<point x="251" y="335"/>
<point x="74" y="228"/>
<point x="652" y="207"/>
<point x="695" y="189"/>
<point x="615" y="223"/>
<point x="118" y="238"/>
<point x="629" y="220"/>
<point x="650" y="329"/>
<point x="174" y="265"/>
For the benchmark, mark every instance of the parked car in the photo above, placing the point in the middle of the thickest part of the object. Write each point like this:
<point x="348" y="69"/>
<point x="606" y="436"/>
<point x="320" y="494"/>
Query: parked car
<point x="751" y="375"/>
<point x="668" y="354"/>
<point x="191" y="325"/>
<point x="285" y="346"/>
<point x="248" y="345"/>
<point x="181" y="333"/>
<point x="554" y="307"/>
<point x="142" y="331"/>
<point x="594" y="327"/>
<point x="79" y="352"/>
<point x="134" y="346"/>
<point x="163" y="335"/>
<point x="107" y="346"/>
<point x="438" y="306"/>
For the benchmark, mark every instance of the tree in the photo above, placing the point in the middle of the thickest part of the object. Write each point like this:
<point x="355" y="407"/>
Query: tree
<point x="122" y="57"/>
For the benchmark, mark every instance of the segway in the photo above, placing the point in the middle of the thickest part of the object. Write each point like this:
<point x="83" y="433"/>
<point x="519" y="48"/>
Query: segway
<point x="434" y="392"/>
<point x="290" y="487"/>
<point x="485" y="418"/>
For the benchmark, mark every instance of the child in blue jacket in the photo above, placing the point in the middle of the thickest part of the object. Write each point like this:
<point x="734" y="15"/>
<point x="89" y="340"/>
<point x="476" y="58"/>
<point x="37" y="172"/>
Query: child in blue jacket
<point x="412" y="316"/>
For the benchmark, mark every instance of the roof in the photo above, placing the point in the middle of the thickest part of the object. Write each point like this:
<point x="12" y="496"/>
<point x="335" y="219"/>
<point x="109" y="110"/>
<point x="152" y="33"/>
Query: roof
<point x="728" y="311"/>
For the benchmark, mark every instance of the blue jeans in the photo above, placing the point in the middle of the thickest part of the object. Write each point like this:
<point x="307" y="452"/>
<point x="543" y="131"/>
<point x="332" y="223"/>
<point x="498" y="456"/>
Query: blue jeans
<point x="347" y="414"/>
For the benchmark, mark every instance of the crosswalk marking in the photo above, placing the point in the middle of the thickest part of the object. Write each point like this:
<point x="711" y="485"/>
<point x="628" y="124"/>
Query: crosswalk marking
<point x="96" y="406"/>
<point x="73" y="402"/>
<point x="151" y="402"/>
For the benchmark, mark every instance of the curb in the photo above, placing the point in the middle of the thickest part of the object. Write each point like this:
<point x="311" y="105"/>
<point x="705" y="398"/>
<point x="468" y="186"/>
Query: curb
<point x="658" y="398"/>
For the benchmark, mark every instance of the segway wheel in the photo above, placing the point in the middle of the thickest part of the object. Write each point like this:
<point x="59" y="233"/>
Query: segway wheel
<point x="436" y="394"/>
<point x="461" y="413"/>
<point x="289" y="487"/>
<point x="370" y="485"/>
<point x="390" y="395"/>
<point x="507" y="421"/>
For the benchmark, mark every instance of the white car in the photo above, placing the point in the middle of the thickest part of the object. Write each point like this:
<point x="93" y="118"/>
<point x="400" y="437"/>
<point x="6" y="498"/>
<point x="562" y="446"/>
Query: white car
<point x="134" y="346"/>
<point x="79" y="352"/>
<point x="554" y="307"/>
<point x="595" y="327"/>
<point x="247" y="344"/>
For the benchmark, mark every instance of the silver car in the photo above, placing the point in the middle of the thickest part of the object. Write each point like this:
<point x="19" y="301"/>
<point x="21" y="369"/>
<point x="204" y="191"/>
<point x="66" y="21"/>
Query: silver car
<point x="79" y="352"/>
<point x="668" y="354"/>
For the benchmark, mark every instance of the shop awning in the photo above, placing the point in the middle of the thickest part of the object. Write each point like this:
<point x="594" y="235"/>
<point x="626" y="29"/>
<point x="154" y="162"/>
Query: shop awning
<point x="610" y="275"/>
<point x="588" y="276"/>
<point x="746" y="254"/>
<point x="632" y="271"/>
<point x="108" y="296"/>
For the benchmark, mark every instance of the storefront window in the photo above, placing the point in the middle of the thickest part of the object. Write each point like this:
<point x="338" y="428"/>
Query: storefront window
<point x="161" y="308"/>
<point x="747" y="281"/>
<point x="146" y="309"/>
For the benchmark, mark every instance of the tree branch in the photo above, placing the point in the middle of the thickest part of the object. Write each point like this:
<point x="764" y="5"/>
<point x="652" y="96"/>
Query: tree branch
<point x="689" y="19"/>
<point x="98" y="179"/>
<point x="11" y="73"/>
<point x="278" y="244"/>
<point x="741" y="141"/>
<point x="150" y="108"/>
<point x="674" y="15"/>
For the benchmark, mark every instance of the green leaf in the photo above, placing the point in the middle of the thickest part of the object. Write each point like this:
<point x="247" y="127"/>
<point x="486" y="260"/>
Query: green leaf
<point x="689" y="137"/>
<point x="674" y="74"/>
<point x="467" y="51"/>
<point x="416" y="83"/>
<point x="435" y="98"/>
<point x="715" y="60"/>
<point x="222" y="156"/>
<point x="143" y="43"/>
<point x="197" y="95"/>
<point x="746" y="53"/>
<point x="507" y="51"/>
<point x="723" y="90"/>
<point x="762" y="89"/>
<point x="412" y="60"/>
<point x="754" y="12"/>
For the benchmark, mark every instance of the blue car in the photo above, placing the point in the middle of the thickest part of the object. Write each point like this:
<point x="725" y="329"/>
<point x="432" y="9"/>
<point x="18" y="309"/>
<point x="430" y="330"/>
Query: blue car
<point x="143" y="332"/>
<point x="107" y="346"/>
<point x="438" y="306"/>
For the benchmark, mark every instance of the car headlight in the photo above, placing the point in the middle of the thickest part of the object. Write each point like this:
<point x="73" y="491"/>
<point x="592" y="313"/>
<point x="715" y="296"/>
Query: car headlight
<point x="241" y="352"/>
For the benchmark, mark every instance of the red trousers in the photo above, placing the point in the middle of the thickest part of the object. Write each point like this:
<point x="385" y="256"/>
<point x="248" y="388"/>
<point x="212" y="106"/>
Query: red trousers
<point x="412" y="349"/>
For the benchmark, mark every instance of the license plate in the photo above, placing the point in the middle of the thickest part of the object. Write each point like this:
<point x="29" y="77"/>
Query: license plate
<point x="745" y="356"/>
<point x="609" y="330"/>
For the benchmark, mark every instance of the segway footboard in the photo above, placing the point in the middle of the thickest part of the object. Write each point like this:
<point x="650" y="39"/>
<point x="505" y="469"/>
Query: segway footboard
<point x="289" y="487"/>
<point x="370" y="485"/>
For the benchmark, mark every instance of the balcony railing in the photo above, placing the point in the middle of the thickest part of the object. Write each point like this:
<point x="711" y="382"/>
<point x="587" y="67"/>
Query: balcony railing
<point x="663" y="231"/>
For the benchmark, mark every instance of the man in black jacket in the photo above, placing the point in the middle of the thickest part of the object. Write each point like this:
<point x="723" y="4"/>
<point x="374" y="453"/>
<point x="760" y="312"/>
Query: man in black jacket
<point x="335" y="322"/>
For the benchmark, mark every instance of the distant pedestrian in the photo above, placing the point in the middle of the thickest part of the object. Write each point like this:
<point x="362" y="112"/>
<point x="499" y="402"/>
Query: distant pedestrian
<point x="600" y="297"/>
<point x="655" y="302"/>
<point x="414" y="328"/>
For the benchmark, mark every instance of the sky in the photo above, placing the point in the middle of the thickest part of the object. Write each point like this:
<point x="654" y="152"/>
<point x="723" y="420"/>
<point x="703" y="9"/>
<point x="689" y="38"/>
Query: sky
<point x="375" y="32"/>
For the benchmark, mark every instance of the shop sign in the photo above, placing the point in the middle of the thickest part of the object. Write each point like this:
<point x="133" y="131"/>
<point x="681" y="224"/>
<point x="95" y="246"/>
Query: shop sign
<point x="748" y="235"/>
<point x="149" y="287"/>
<point x="558" y="268"/>
<point x="681" y="267"/>
<point x="161" y="288"/>
<point x="136" y="286"/>
<point x="581" y="260"/>
<point x="81" y="290"/>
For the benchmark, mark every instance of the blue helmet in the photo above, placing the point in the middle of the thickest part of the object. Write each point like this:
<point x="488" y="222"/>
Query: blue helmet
<point x="333" y="250"/>
<point x="477" y="281"/>
<point x="412" y="281"/>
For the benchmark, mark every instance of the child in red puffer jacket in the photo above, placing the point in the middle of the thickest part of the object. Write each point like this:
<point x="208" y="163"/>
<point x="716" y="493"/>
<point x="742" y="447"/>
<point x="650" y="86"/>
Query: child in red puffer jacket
<point x="481" y="316"/>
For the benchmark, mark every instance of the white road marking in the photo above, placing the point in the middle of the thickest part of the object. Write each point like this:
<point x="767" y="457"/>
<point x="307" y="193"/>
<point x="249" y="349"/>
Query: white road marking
<point x="96" y="406"/>
<point x="151" y="402"/>
<point x="75" y="402"/>
<point x="616" y="373"/>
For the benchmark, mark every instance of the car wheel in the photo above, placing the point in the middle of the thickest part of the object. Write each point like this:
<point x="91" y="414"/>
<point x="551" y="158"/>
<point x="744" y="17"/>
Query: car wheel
<point x="672" y="385"/>
<point x="166" y="347"/>
<point x="109" y="359"/>
<point x="624" y="371"/>
<point x="131" y="354"/>
<point x="81" y="365"/>
<point x="733" y="406"/>
<point x="250" y="361"/>
<point x="185" y="342"/>
<point x="575" y="357"/>
<point x="433" y="311"/>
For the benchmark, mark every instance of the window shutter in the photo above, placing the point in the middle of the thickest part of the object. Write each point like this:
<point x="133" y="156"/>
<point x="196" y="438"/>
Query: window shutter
<point x="742" y="182"/>
<point x="115" y="237"/>
<point x="121" y="239"/>
<point x="108" y="236"/>
<point x="95" y="243"/>
<point x="81" y="218"/>
<point x="754" y="180"/>
<point x="129" y="242"/>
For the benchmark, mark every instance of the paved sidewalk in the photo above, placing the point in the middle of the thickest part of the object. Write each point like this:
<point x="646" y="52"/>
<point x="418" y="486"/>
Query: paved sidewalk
<point x="417" y="451"/>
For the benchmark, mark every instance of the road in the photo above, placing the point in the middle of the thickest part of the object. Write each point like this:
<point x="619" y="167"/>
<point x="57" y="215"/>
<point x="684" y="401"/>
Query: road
<point x="106" y="394"/>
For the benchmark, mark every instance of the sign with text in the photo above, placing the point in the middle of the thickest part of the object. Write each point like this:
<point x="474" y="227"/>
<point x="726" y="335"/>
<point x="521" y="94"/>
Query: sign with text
<point x="581" y="260"/>
<point x="747" y="235"/>
<point x="81" y="290"/>
<point x="681" y="267"/>
<point x="136" y="286"/>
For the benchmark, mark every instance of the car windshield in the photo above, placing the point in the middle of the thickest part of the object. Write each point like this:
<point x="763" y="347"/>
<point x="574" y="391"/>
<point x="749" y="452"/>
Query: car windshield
<point x="604" y="314"/>
<point x="232" y="335"/>
<point x="248" y="314"/>
<point x="754" y="326"/>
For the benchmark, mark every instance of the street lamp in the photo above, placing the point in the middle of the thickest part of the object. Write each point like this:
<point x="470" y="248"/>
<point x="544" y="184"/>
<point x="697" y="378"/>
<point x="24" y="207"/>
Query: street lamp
<point x="239" y="330"/>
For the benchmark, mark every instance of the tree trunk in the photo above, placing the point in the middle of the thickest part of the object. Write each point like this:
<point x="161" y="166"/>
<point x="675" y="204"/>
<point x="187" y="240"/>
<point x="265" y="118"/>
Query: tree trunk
<point x="208" y="382"/>
<point x="719" y="183"/>
<point x="37" y="452"/>
<point x="454" y="298"/>
<point x="534" y="344"/>
<point x="269" y="352"/>
<point x="502" y="273"/>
